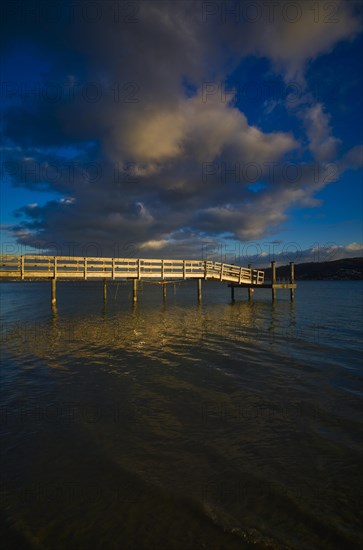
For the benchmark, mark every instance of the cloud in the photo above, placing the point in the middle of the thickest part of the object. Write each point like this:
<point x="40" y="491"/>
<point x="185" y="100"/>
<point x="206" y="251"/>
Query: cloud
<point x="322" y="144"/>
<point x="325" y="253"/>
<point x="193" y="129"/>
<point x="355" y="247"/>
<point x="154" y="245"/>
<point x="153" y="136"/>
<point x="353" y="159"/>
<point x="291" y="34"/>
<point x="138" y="174"/>
<point x="261" y="253"/>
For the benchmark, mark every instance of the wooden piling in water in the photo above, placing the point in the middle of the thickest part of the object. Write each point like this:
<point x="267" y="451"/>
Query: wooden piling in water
<point x="104" y="290"/>
<point x="199" y="283"/>
<point x="232" y="293"/>
<point x="164" y="291"/>
<point x="54" y="292"/>
<point x="292" y="281"/>
<point x="273" y="279"/>
<point x="250" y="290"/>
<point x="134" y="290"/>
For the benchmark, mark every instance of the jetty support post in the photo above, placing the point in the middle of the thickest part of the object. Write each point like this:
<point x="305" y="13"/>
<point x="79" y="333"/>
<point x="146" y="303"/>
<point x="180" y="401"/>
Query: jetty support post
<point x="104" y="290"/>
<point x="250" y="290"/>
<point x="292" y="281"/>
<point x="54" y="283"/>
<point x="54" y="292"/>
<point x="273" y="279"/>
<point x="232" y="292"/>
<point x="134" y="290"/>
<point x="163" y="284"/>
<point x="199" y="283"/>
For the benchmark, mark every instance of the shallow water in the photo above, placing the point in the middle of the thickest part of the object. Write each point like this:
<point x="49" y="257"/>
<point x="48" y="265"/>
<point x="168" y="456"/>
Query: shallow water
<point x="177" y="425"/>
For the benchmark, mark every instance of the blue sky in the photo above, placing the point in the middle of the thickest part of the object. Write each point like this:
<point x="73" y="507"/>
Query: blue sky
<point x="182" y="130"/>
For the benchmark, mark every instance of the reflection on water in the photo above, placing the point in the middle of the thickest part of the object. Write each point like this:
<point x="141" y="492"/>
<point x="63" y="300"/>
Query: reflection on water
<point x="181" y="425"/>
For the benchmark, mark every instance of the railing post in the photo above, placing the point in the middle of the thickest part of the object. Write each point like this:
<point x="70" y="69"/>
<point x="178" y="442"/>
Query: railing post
<point x="221" y="272"/>
<point x="184" y="269"/>
<point x="55" y="267"/>
<point x="292" y="281"/>
<point x="240" y="275"/>
<point x="273" y="279"/>
<point x="22" y="266"/>
<point x="113" y="268"/>
<point x="162" y="269"/>
<point x="85" y="268"/>
<point x="138" y="269"/>
<point x="205" y="269"/>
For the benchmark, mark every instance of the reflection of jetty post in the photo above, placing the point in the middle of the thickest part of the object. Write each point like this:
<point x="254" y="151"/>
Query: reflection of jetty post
<point x="134" y="290"/>
<point x="273" y="280"/>
<point x="199" y="283"/>
<point x="104" y="290"/>
<point x="164" y="291"/>
<point x="232" y="293"/>
<point x="292" y="281"/>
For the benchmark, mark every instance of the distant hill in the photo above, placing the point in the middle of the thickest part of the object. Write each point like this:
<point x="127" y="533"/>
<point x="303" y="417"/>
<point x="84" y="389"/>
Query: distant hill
<point x="337" y="270"/>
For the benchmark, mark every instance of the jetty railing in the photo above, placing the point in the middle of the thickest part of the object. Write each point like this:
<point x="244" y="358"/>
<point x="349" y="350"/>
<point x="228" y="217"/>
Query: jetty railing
<point x="68" y="267"/>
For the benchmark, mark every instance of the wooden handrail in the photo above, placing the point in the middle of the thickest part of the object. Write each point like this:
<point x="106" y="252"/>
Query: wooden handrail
<point x="33" y="266"/>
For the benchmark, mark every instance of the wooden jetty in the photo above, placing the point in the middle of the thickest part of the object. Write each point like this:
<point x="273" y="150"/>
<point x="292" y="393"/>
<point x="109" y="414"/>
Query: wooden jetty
<point x="274" y="284"/>
<point x="56" y="268"/>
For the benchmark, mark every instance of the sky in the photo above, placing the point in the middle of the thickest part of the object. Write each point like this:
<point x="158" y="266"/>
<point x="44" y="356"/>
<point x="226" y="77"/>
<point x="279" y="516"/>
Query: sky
<point x="220" y="130"/>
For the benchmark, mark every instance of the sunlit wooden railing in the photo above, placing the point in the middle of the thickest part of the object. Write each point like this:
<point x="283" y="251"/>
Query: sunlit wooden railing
<point x="68" y="267"/>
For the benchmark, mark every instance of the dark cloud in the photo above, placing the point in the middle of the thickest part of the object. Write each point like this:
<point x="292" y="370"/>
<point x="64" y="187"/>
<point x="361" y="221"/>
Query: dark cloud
<point x="163" y="164"/>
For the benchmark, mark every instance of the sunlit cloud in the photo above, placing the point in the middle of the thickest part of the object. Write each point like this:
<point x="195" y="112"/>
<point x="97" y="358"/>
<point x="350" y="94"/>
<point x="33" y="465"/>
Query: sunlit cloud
<point x="139" y="169"/>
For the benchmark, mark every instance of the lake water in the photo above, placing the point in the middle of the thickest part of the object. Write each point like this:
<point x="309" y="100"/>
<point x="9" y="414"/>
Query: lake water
<point x="173" y="425"/>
